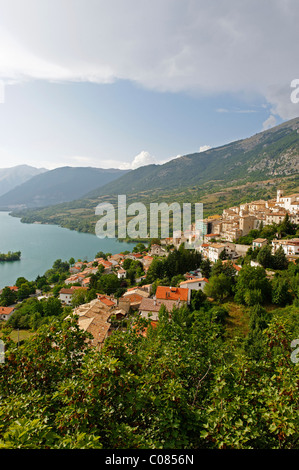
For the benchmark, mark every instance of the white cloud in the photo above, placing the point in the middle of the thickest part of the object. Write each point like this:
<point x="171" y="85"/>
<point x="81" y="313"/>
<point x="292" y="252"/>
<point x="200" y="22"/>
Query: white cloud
<point x="193" y="46"/>
<point x="270" y="122"/>
<point x="142" y="159"/>
<point x="280" y="99"/>
<point x="203" y="148"/>
<point x="222" y="110"/>
<point x="237" y="111"/>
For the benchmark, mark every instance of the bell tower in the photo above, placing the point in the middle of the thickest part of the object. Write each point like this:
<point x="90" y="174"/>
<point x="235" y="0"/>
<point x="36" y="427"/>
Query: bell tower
<point x="279" y="195"/>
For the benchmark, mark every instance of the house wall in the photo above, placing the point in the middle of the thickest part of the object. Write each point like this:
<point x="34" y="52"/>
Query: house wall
<point x="152" y="315"/>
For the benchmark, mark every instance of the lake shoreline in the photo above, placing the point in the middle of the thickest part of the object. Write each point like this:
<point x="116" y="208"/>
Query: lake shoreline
<point x="42" y="244"/>
<point x="121" y="240"/>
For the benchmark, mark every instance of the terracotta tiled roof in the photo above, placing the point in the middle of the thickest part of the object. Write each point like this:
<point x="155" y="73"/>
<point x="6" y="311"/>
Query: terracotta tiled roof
<point x="93" y="318"/>
<point x="66" y="291"/>
<point x="134" y="298"/>
<point x="6" y="310"/>
<point x="106" y="300"/>
<point x="172" y="293"/>
<point x="152" y="305"/>
<point x="196" y="279"/>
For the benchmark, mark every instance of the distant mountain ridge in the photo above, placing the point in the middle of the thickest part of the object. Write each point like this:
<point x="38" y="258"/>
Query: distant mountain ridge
<point x="222" y="177"/>
<point x="274" y="152"/>
<point x="14" y="176"/>
<point x="56" y="186"/>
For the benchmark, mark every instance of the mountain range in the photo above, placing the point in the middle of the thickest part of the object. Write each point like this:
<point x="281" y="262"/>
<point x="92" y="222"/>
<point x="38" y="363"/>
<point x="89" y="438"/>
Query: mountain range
<point x="274" y="152"/>
<point x="14" y="176"/>
<point x="56" y="186"/>
<point x="237" y="172"/>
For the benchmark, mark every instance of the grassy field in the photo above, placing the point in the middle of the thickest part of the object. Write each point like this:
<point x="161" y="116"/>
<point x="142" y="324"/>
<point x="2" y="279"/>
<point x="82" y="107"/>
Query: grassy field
<point x="237" y="324"/>
<point x="19" y="335"/>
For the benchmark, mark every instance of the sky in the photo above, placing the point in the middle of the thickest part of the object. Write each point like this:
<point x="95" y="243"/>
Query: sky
<point x="126" y="83"/>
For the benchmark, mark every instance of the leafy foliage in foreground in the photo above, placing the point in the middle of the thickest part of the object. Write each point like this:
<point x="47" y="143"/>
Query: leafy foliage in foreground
<point x="179" y="386"/>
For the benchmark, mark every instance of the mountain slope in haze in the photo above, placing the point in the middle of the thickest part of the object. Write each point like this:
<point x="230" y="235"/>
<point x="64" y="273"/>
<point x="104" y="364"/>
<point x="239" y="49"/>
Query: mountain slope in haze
<point x="235" y="173"/>
<point x="56" y="186"/>
<point x="271" y="153"/>
<point x="14" y="176"/>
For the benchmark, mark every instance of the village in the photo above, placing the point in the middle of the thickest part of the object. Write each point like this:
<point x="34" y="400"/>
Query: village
<point x="221" y="232"/>
<point x="106" y="312"/>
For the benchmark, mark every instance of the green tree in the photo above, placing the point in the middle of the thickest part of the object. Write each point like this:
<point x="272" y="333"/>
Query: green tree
<point x="252" y="285"/>
<point x="280" y="260"/>
<point x="198" y="298"/>
<point x="264" y="257"/>
<point x="25" y="290"/>
<point x="20" y="281"/>
<point x="286" y="227"/>
<point x="223" y="255"/>
<point x="206" y="268"/>
<point x="281" y="294"/>
<point x="41" y="282"/>
<point x="52" y="307"/>
<point x="79" y="297"/>
<point x="7" y="297"/>
<point x="108" y="284"/>
<point x="219" y="287"/>
<point x="139" y="248"/>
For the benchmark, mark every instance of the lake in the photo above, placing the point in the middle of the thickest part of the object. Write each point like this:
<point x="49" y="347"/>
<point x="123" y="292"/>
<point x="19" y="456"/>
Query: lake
<point x="41" y="245"/>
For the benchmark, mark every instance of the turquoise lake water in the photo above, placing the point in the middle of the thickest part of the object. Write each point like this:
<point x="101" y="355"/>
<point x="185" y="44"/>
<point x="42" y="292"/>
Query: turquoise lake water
<point x="41" y="245"/>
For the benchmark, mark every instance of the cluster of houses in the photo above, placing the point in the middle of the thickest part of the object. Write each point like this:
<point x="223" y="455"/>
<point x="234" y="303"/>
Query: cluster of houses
<point x="82" y="271"/>
<point x="239" y="220"/>
<point x="221" y="232"/>
<point x="97" y="316"/>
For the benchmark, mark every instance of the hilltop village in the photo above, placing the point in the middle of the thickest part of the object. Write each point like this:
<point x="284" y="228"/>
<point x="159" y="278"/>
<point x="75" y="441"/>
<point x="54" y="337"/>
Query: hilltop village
<point x="223" y="232"/>
<point x="107" y="290"/>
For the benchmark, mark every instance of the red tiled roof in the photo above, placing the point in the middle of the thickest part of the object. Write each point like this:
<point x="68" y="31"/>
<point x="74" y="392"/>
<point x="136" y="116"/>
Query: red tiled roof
<point x="78" y="287"/>
<point x="6" y="310"/>
<point x="195" y="279"/>
<point x="172" y="293"/>
<point x="133" y="298"/>
<point x="66" y="291"/>
<point x="106" y="301"/>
